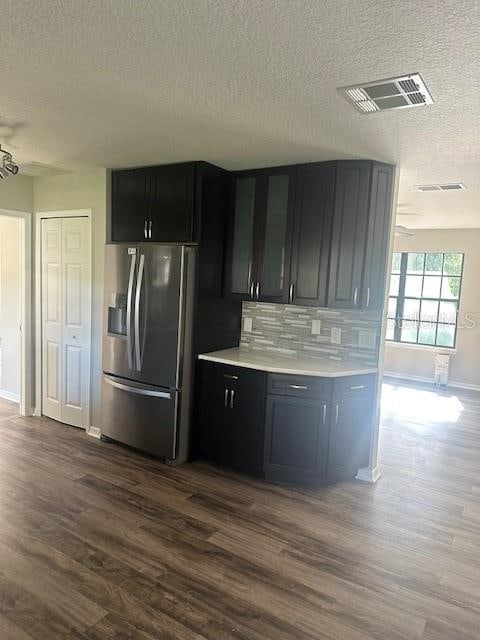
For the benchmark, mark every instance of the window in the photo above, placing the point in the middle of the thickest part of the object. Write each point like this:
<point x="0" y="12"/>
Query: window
<point x="424" y="297"/>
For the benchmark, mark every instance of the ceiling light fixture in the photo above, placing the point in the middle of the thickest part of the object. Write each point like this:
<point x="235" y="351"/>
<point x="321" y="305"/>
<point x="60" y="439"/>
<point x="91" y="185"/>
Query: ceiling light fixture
<point x="8" y="165"/>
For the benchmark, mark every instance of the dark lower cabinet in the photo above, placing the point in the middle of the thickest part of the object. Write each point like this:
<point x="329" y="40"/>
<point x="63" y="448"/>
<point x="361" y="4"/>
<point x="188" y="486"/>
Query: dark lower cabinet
<point x="231" y="417"/>
<point x="296" y="439"/>
<point x="350" y="426"/>
<point x="289" y="429"/>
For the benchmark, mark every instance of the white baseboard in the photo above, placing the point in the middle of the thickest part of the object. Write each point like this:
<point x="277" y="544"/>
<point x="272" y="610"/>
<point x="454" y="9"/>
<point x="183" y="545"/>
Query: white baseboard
<point x="424" y="380"/>
<point x="369" y="475"/>
<point x="94" y="432"/>
<point x="8" y="395"/>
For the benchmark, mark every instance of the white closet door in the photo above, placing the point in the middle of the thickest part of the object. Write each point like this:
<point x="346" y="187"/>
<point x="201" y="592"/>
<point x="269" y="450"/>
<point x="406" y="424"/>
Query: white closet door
<point x="71" y="370"/>
<point x="52" y="318"/>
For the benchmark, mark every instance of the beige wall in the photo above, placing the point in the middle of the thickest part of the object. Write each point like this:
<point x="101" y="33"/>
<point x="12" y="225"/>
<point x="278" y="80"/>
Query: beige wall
<point x="465" y="363"/>
<point x="10" y="304"/>
<point x="16" y="192"/>
<point x="85" y="190"/>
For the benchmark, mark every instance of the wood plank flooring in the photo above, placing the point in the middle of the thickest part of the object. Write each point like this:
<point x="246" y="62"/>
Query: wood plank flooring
<point x="8" y="409"/>
<point x="100" y="543"/>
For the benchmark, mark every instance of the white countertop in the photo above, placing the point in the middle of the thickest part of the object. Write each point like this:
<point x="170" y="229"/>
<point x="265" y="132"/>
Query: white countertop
<point x="276" y="363"/>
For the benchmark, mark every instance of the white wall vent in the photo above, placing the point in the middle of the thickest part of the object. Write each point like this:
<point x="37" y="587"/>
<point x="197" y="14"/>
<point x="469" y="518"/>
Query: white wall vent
<point x="393" y="93"/>
<point x="452" y="186"/>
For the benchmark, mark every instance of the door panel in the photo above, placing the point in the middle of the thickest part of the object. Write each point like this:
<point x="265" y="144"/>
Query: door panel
<point x="52" y="318"/>
<point x="129" y="205"/>
<point x="349" y="234"/>
<point x="242" y="243"/>
<point x="120" y="278"/>
<point x="374" y="284"/>
<point x="170" y="191"/>
<point x="76" y="320"/>
<point x="158" y="313"/>
<point x="66" y="320"/>
<point x="311" y="242"/>
<point x="296" y="439"/>
<point x="139" y="415"/>
<point x="274" y="246"/>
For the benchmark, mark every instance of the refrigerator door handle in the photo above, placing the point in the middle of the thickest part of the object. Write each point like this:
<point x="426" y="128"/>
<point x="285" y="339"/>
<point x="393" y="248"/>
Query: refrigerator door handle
<point x="136" y="390"/>
<point x="138" y="293"/>
<point x="129" y="310"/>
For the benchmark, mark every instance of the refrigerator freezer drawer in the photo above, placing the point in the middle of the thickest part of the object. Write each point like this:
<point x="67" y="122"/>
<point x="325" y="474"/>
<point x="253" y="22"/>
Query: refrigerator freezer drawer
<point x="139" y="415"/>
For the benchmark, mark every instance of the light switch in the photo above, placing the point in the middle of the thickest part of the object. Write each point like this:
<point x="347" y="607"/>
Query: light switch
<point x="316" y="326"/>
<point x="247" y="325"/>
<point x="336" y="335"/>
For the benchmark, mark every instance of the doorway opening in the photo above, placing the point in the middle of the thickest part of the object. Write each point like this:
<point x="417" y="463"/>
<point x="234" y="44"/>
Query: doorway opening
<point x="15" y="314"/>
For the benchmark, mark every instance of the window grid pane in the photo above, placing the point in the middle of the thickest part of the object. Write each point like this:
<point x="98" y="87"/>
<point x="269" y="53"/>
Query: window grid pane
<point x="426" y="304"/>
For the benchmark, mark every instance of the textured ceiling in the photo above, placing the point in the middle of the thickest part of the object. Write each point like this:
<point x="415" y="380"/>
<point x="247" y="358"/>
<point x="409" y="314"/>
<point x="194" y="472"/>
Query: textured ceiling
<point x="246" y="83"/>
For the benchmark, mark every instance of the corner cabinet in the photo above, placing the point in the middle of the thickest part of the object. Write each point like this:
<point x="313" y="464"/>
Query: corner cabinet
<point x="284" y="428"/>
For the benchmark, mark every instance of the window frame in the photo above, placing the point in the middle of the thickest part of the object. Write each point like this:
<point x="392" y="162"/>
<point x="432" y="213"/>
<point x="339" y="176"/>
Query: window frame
<point x="401" y="297"/>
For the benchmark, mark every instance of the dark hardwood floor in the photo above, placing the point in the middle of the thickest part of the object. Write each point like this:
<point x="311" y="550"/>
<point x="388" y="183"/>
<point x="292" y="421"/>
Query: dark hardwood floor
<point x="100" y="543"/>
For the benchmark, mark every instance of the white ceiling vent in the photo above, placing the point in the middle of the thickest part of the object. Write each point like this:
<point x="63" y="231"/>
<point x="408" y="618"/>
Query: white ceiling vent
<point x="39" y="170"/>
<point x="453" y="186"/>
<point x="393" y="93"/>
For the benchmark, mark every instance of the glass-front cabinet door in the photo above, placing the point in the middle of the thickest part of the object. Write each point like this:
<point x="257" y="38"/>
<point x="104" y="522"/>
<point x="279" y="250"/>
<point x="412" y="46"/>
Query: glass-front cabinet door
<point x="242" y="237"/>
<point x="273" y="267"/>
<point x="260" y="235"/>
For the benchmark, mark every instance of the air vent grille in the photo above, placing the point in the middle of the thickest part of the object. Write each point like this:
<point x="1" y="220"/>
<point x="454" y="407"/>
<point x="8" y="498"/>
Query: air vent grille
<point x="393" y="93"/>
<point x="452" y="186"/>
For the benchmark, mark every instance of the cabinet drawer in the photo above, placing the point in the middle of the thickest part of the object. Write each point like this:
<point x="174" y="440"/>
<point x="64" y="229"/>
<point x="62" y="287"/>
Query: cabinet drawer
<point x="223" y="375"/>
<point x="354" y="385"/>
<point x="299" y="386"/>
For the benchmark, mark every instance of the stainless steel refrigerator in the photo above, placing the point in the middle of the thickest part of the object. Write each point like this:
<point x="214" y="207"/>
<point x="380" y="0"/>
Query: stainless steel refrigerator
<point x="147" y="346"/>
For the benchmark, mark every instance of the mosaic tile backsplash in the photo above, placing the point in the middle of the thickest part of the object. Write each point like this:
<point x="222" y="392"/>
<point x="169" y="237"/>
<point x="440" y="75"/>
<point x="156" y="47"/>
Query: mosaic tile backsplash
<point x="347" y="336"/>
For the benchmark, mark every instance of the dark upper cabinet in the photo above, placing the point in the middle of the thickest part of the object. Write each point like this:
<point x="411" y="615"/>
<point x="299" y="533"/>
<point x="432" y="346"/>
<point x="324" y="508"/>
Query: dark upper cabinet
<point x="360" y="231"/>
<point x="381" y="194"/>
<point x="156" y="203"/>
<point x="129" y="205"/>
<point x="171" y="200"/>
<point x="350" y="426"/>
<point x="231" y="415"/>
<point x="311" y="236"/>
<point x="261" y="219"/>
<point x="349" y="233"/>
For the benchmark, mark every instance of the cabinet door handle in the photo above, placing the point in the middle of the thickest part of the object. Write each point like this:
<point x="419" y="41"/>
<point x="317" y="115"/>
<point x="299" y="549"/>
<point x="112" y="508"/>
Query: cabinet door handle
<point x="336" y="413"/>
<point x="298" y="386"/>
<point x="226" y="398"/>
<point x="230" y="377"/>
<point x="290" y="293"/>
<point x="358" y="386"/>
<point x="355" y="297"/>
<point x="145" y="227"/>
<point x="367" y="304"/>
<point x="150" y="224"/>
<point x="324" y="413"/>
<point x="232" y="396"/>
<point x="252" y="284"/>
<point x="257" y="290"/>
